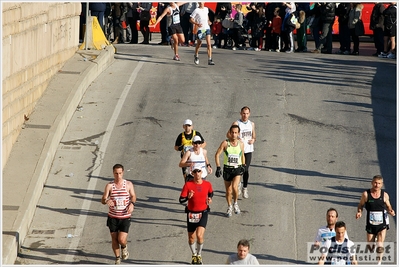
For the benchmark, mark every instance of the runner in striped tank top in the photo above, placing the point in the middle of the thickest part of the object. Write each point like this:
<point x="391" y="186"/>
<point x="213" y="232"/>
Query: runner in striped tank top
<point x="120" y="197"/>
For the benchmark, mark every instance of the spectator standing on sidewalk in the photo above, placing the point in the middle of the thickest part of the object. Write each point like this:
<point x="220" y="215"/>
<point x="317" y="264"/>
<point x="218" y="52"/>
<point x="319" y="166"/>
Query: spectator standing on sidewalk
<point x="132" y="18"/>
<point x="120" y="197"/>
<point x="223" y="10"/>
<point x="163" y="25"/>
<point x="242" y="257"/>
<point x="276" y="30"/>
<point x="233" y="167"/>
<point x="238" y="28"/>
<point x="377" y="26"/>
<point x="185" y="14"/>
<point x="97" y="9"/>
<point x="216" y="31"/>
<point x="314" y="23"/>
<point x="287" y="31"/>
<point x="327" y="17"/>
<point x="200" y="18"/>
<point x="342" y="11"/>
<point x="302" y="9"/>
<point x="390" y="31"/>
<point x="197" y="196"/>
<point x="355" y="14"/>
<point x="145" y="18"/>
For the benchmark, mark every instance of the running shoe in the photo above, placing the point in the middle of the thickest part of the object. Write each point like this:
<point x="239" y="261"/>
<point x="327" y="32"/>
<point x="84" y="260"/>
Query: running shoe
<point x="236" y="208"/>
<point x="196" y="60"/>
<point x="117" y="260"/>
<point x="199" y="259"/>
<point x="391" y="56"/>
<point x="210" y="62"/>
<point x="194" y="259"/>
<point x="383" y="55"/>
<point x="125" y="253"/>
<point x="176" y="57"/>
<point x="229" y="212"/>
<point x="245" y="193"/>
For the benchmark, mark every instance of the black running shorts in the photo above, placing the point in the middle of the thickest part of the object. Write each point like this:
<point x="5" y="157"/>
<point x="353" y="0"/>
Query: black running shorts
<point x="118" y="225"/>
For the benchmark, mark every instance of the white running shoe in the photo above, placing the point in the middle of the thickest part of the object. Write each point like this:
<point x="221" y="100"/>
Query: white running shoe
<point x="125" y="253"/>
<point x="245" y="192"/>
<point x="196" y="60"/>
<point x="236" y="208"/>
<point x="118" y="260"/>
<point x="229" y="212"/>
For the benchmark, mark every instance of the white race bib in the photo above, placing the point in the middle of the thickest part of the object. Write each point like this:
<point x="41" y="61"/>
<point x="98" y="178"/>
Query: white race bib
<point x="120" y="203"/>
<point x="232" y="160"/>
<point x="194" y="217"/>
<point x="376" y="217"/>
<point x="176" y="18"/>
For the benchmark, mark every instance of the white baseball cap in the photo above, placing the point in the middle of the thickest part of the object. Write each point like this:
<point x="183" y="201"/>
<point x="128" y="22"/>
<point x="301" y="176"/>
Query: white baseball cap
<point x="188" y="122"/>
<point x="197" y="138"/>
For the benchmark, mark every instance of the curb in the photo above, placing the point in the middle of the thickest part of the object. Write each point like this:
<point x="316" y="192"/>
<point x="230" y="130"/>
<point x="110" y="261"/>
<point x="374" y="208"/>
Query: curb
<point x="100" y="60"/>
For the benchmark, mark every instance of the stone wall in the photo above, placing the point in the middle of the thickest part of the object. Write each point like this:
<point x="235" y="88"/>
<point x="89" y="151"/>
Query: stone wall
<point x="38" y="38"/>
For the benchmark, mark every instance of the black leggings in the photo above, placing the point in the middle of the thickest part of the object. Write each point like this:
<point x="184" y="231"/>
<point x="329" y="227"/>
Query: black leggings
<point x="245" y="177"/>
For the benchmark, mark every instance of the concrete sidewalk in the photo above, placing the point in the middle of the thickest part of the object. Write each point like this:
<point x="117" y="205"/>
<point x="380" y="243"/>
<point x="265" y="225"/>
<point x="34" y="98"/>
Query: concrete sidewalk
<point x="32" y="155"/>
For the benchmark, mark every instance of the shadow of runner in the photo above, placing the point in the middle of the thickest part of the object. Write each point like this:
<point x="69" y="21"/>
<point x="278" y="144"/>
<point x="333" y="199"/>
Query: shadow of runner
<point x="384" y="105"/>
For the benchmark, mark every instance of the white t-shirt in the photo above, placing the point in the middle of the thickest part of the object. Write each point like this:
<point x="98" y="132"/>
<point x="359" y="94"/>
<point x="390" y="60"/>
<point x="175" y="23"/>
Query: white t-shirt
<point x="342" y="255"/>
<point x="249" y="260"/>
<point x="324" y="233"/>
<point x="200" y="15"/>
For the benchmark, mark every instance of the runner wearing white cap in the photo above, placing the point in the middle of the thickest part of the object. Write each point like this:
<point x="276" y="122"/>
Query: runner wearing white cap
<point x="196" y="156"/>
<point x="184" y="141"/>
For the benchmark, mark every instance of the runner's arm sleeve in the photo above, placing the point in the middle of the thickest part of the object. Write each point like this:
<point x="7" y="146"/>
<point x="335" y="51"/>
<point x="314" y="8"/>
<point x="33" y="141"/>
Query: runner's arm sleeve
<point x="183" y="200"/>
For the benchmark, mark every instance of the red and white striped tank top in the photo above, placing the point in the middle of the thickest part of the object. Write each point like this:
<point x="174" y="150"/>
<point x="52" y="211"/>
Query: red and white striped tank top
<point x="121" y="199"/>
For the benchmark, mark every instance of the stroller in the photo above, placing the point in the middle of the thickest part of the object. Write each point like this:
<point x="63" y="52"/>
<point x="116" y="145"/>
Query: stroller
<point x="227" y="32"/>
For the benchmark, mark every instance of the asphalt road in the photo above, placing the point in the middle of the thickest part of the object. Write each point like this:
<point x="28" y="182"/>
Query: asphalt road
<point x="326" y="124"/>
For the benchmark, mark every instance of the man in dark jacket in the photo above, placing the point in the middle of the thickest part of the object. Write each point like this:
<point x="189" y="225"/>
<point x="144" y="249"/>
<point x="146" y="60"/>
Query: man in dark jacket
<point x="327" y="20"/>
<point x="145" y="17"/>
<point x="342" y="11"/>
<point x="389" y="31"/>
<point x="98" y="9"/>
<point x="377" y="26"/>
<point x="223" y="10"/>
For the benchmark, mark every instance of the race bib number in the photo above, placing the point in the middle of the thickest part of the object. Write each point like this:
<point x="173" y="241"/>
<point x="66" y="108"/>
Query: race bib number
<point x="194" y="217"/>
<point x="232" y="160"/>
<point x="120" y="203"/>
<point x="176" y="18"/>
<point x="376" y="217"/>
<point x="246" y="135"/>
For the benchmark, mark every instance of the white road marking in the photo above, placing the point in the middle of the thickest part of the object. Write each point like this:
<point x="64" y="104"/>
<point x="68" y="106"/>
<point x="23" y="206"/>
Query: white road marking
<point x="97" y="167"/>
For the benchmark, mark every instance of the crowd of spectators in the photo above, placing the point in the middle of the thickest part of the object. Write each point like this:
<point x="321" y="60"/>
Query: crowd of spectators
<point x="265" y="26"/>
